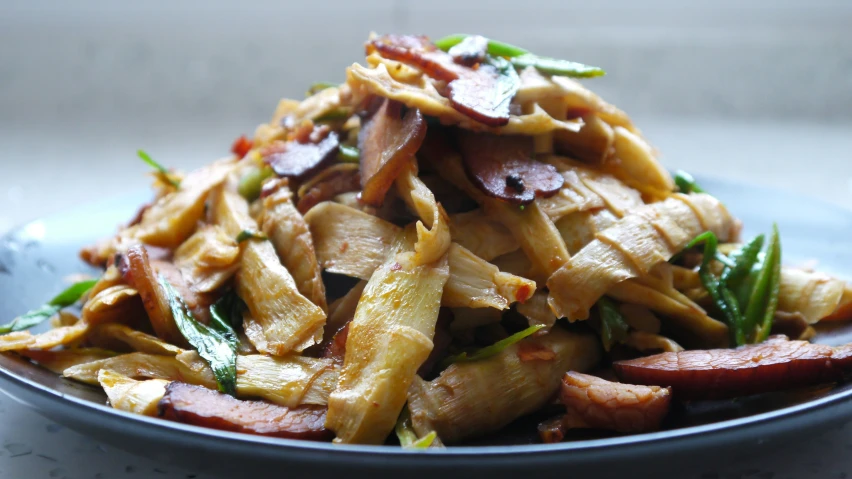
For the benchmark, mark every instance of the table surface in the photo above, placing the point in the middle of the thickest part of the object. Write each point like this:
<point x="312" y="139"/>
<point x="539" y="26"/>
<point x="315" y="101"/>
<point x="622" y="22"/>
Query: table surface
<point x="802" y="157"/>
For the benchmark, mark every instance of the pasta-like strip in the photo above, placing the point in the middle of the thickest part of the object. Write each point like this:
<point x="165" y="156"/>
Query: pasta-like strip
<point x="632" y="247"/>
<point x="575" y="196"/>
<point x="813" y="295"/>
<point x="208" y="259"/>
<point x="636" y="165"/>
<point x="350" y="242"/>
<point x="580" y="228"/>
<point x="388" y="340"/>
<point x="537" y="311"/>
<point x="288" y="381"/>
<point x="61" y="336"/>
<point x="289" y="233"/>
<point x="483" y="236"/>
<point x="118" y="336"/>
<point x="433" y="232"/>
<point x="474" y="398"/>
<point x="115" y="303"/>
<point x="126" y="394"/>
<point x="62" y="359"/>
<point x="282" y="319"/>
<point x="688" y="319"/>
<point x="174" y="217"/>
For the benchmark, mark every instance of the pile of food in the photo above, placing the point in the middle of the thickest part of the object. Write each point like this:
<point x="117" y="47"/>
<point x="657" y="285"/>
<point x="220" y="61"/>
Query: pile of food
<point x="458" y="236"/>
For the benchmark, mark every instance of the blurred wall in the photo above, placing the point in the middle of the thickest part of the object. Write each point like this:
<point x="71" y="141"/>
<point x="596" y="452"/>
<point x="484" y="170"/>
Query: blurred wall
<point x="84" y="83"/>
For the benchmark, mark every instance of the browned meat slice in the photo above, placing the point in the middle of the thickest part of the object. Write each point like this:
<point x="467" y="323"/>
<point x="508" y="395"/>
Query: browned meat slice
<point x="204" y="407"/>
<point x="504" y="167"/>
<point x="774" y="365"/>
<point x="600" y="404"/>
<point x="387" y="141"/>
<point x="483" y="93"/>
<point x="295" y="159"/>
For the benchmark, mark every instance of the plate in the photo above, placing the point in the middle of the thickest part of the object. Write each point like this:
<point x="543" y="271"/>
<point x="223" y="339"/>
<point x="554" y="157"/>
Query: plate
<point x="35" y="258"/>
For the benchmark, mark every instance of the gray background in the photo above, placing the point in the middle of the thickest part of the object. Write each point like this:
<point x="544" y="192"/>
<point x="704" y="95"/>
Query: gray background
<point x="758" y="91"/>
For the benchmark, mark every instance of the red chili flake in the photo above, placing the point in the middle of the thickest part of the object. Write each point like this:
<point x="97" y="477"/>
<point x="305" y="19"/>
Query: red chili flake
<point x="523" y="293"/>
<point x="241" y="146"/>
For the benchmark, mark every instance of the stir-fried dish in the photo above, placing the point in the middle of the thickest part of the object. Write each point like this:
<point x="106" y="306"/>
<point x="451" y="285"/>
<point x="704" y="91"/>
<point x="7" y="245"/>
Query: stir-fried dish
<point x="459" y="235"/>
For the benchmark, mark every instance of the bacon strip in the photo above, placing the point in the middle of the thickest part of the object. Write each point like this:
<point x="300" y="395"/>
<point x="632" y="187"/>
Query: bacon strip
<point x="204" y="407"/>
<point x="387" y="142"/>
<point x="774" y="365"/>
<point x="504" y="167"/>
<point x="482" y="93"/>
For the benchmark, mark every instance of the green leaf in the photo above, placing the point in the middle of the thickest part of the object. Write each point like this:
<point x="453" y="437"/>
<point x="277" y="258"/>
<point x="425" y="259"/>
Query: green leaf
<point x="686" y="183"/>
<point x="722" y="297"/>
<point x="348" y="154"/>
<point x="251" y="183"/>
<point x="521" y="58"/>
<point x="743" y="260"/>
<point x="66" y="298"/>
<point x="212" y="346"/>
<point x="225" y="313"/>
<point x="165" y="175"/>
<point x="318" y="87"/>
<point x="246" y="235"/>
<point x="425" y="442"/>
<point x="763" y="302"/>
<point x="492" y="350"/>
<point x="613" y="327"/>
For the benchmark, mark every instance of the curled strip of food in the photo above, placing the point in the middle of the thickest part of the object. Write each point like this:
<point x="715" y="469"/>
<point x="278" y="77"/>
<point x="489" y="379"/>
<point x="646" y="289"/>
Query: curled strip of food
<point x="648" y="236"/>
<point x="592" y="144"/>
<point x="295" y="159"/>
<point x="288" y="381"/>
<point x="634" y="163"/>
<point x="282" y="320"/>
<point x="580" y="228"/>
<point x="813" y="295"/>
<point x="140" y="274"/>
<point x="208" y="259"/>
<point x="328" y="184"/>
<point x="650" y="342"/>
<point x="354" y="243"/>
<point x="174" y="217"/>
<point x="433" y="237"/>
<point x="774" y="365"/>
<point x="504" y="167"/>
<point x="388" y="340"/>
<point x="537" y="312"/>
<point x="453" y="405"/>
<point x="574" y="197"/>
<point x="290" y="236"/>
<point x="844" y="308"/>
<point x="115" y="303"/>
<point x="203" y="407"/>
<point x="126" y="394"/>
<point x="596" y="403"/>
<point x="388" y="141"/>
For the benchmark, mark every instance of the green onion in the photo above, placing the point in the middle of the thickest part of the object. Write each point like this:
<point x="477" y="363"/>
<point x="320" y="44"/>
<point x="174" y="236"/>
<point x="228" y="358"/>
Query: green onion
<point x="553" y="66"/>
<point x="686" y="183"/>
<point x="492" y="350"/>
<point x="251" y="183"/>
<point x="337" y="114"/>
<point x="763" y="302"/>
<point x="37" y="316"/>
<point x="348" y="154"/>
<point x="318" y="87"/>
<point x="406" y="435"/>
<point x="522" y="58"/>
<point x="744" y="260"/>
<point x="613" y="327"/>
<point x="211" y="345"/>
<point x="164" y="174"/>
<point x="226" y="313"/>
<point x="246" y="235"/>
<point x="722" y="297"/>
